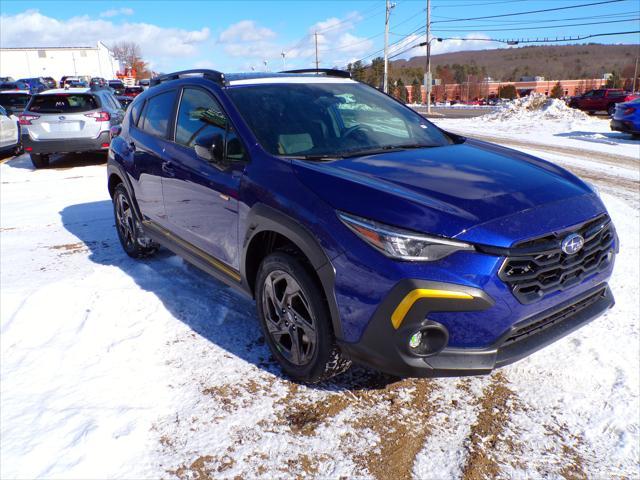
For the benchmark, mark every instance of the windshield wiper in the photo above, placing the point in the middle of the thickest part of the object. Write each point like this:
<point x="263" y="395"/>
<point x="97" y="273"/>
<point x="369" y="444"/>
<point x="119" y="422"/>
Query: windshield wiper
<point x="384" y="149"/>
<point x="315" y="157"/>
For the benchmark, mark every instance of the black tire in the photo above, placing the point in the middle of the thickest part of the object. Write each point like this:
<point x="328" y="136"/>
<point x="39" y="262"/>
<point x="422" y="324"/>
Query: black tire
<point x="611" y="110"/>
<point x="130" y="233"/>
<point x="39" y="160"/>
<point x="319" y="357"/>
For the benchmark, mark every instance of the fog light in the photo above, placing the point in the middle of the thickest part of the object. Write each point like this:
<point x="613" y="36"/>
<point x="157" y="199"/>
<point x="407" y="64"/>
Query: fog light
<point x="415" y="340"/>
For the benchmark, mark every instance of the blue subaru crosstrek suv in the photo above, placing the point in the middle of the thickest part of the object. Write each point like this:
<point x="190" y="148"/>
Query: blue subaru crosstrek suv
<point x="364" y="232"/>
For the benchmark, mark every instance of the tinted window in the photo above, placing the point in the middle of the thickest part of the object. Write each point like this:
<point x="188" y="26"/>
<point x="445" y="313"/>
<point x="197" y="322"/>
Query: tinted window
<point x="14" y="100"/>
<point x="135" y="111"/>
<point x="157" y="114"/>
<point x="199" y="113"/>
<point x="63" y="103"/>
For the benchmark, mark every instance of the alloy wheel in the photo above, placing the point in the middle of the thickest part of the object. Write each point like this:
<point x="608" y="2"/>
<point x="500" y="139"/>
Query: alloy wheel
<point x="125" y="221"/>
<point x="289" y="318"/>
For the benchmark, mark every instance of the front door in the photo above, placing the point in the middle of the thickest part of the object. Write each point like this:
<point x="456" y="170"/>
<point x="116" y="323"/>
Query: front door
<point x="200" y="196"/>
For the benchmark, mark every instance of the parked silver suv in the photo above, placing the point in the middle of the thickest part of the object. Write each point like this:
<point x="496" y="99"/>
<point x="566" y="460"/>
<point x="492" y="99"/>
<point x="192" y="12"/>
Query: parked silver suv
<point x="67" y="120"/>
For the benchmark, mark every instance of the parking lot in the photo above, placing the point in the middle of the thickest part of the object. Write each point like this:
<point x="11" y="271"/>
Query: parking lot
<point x="165" y="368"/>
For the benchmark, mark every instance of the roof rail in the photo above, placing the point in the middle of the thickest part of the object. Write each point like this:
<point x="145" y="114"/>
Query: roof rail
<point x="329" y="72"/>
<point x="214" y="75"/>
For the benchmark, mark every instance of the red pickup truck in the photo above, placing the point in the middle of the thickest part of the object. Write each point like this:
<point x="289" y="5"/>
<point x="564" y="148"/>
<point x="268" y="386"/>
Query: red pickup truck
<point x="603" y="99"/>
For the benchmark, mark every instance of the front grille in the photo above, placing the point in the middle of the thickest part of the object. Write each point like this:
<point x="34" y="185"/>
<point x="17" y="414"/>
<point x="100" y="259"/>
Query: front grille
<point x="537" y="268"/>
<point x="532" y="328"/>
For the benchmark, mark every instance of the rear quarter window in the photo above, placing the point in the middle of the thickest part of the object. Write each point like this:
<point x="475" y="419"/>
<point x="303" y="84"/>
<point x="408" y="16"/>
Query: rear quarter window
<point x="63" y="103"/>
<point x="158" y="112"/>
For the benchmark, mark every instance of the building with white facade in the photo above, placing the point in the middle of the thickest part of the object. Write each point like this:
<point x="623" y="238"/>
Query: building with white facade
<point x="57" y="62"/>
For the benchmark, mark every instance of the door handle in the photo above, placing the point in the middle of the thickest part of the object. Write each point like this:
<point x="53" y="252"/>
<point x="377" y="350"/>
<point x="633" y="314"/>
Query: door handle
<point x="167" y="168"/>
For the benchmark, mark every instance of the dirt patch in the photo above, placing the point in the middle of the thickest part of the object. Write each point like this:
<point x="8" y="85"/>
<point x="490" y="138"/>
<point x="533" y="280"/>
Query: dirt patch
<point x="233" y="397"/>
<point x="203" y="468"/>
<point x="573" y="463"/>
<point x="401" y="427"/>
<point x="304" y="418"/>
<point x="485" y="434"/>
<point x="70" y="248"/>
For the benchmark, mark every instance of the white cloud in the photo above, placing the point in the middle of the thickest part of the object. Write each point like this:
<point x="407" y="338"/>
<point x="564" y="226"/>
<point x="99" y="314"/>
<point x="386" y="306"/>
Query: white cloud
<point x="114" y="12"/>
<point x="160" y="46"/>
<point x="245" y="31"/>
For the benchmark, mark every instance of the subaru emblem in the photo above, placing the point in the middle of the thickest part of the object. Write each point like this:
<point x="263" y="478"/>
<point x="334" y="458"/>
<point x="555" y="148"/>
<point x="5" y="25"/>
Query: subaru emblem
<point x="61" y="117"/>
<point x="572" y="244"/>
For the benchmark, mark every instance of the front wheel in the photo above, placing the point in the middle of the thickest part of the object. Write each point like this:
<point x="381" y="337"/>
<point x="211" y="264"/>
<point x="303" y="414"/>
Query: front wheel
<point x="296" y="321"/>
<point x="133" y="241"/>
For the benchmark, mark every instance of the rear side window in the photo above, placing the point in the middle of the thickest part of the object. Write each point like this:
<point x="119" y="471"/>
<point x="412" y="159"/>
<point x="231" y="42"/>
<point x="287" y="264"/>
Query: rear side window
<point x="14" y="100"/>
<point x="63" y="103"/>
<point x="135" y="112"/>
<point x="157" y="114"/>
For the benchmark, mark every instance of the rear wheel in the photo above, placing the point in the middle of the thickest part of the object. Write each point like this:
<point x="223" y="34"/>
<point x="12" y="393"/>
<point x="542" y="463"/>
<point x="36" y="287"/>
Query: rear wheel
<point x="39" y="160"/>
<point x="129" y="229"/>
<point x="296" y="321"/>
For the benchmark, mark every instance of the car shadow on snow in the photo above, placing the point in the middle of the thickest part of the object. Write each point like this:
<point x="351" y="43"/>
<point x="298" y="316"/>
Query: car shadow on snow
<point x="210" y="308"/>
<point x="608" y="138"/>
<point x="61" y="161"/>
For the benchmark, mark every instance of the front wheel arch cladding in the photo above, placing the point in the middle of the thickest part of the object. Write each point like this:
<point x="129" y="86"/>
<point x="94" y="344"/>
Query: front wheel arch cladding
<point x="263" y="218"/>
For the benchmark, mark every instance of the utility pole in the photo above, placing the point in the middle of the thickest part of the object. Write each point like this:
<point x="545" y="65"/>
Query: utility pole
<point x="635" y="75"/>
<point x="385" y="80"/>
<point x="427" y="75"/>
<point x="283" y="54"/>
<point x="317" y="63"/>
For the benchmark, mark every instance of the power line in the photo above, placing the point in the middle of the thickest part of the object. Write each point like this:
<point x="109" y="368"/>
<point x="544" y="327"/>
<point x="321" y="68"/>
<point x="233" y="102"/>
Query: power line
<point x="539" y="27"/>
<point x="530" y="11"/>
<point x="477" y="4"/>
<point x="530" y="21"/>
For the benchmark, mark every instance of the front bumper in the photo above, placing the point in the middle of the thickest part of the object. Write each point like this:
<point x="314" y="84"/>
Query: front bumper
<point x="625" y="126"/>
<point x="69" y="145"/>
<point x="387" y="349"/>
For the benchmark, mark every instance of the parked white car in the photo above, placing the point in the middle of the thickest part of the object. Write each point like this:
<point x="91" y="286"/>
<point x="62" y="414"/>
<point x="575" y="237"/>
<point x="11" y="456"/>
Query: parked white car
<point x="9" y="134"/>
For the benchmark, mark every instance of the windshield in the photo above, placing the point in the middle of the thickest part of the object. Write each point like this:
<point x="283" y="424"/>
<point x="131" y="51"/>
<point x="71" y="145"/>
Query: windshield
<point x="331" y="120"/>
<point x="62" y="103"/>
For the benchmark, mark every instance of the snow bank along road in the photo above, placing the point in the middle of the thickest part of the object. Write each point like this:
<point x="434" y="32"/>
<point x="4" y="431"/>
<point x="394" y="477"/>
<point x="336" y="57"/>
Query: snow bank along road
<point x="117" y="368"/>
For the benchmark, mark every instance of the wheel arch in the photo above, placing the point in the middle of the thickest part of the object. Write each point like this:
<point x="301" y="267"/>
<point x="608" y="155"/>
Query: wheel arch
<point x="267" y="225"/>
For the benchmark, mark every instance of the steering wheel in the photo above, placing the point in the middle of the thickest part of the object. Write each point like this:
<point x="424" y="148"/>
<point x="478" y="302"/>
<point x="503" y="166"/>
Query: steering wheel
<point x="356" y="128"/>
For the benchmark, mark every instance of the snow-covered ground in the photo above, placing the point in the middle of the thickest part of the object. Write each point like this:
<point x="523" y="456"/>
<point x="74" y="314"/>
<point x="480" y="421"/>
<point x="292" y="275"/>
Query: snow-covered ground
<point x="112" y="367"/>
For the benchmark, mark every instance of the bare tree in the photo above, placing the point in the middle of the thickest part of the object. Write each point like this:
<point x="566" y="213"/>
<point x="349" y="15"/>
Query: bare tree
<point x="130" y="55"/>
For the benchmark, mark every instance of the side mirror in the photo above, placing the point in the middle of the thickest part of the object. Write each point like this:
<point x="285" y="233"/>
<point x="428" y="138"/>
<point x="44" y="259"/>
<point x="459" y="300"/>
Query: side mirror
<point x="115" y="131"/>
<point x="210" y="146"/>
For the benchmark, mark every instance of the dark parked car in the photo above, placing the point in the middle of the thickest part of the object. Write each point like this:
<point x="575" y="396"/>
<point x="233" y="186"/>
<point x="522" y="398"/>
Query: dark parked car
<point x="14" y="86"/>
<point x="124" y="101"/>
<point x="364" y="232"/>
<point x="36" y="85"/>
<point x="117" y="86"/>
<point x="133" y="91"/>
<point x="603" y="99"/>
<point x="49" y="82"/>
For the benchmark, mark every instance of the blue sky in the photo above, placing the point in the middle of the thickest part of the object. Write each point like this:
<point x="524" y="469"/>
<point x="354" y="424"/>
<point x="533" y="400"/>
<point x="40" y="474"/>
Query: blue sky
<point x="240" y="35"/>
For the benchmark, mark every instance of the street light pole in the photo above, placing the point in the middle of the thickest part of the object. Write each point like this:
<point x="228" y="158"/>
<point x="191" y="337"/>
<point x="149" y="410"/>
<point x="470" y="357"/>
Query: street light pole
<point x="427" y="75"/>
<point x="317" y="63"/>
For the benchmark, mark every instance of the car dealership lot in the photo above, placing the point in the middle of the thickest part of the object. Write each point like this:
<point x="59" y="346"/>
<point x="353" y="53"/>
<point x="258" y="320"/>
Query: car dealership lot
<point x="112" y="367"/>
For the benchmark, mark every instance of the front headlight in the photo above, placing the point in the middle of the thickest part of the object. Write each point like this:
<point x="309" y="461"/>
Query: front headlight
<point x="402" y="244"/>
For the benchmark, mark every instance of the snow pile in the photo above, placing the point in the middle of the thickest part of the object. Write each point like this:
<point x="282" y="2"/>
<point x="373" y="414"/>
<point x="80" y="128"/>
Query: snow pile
<point x="536" y="107"/>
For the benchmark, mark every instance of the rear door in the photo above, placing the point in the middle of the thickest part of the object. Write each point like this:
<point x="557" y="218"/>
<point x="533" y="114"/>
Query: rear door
<point x="64" y="116"/>
<point x="200" y="196"/>
<point x="148" y="140"/>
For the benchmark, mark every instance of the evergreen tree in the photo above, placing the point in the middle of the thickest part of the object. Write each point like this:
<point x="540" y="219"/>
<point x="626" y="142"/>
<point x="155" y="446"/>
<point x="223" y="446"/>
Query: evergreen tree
<point x="557" y="91"/>
<point x="416" y="92"/>
<point x="401" y="91"/>
<point x="508" y="91"/>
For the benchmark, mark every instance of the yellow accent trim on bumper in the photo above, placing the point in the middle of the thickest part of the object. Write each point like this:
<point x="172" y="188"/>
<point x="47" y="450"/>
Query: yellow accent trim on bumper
<point x="413" y="296"/>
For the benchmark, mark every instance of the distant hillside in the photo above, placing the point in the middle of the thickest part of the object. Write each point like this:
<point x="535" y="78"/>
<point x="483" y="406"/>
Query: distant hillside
<point x="555" y="62"/>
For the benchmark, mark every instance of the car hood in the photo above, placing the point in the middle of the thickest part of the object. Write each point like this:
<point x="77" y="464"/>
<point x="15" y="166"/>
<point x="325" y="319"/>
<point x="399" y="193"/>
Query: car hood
<point x="474" y="191"/>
